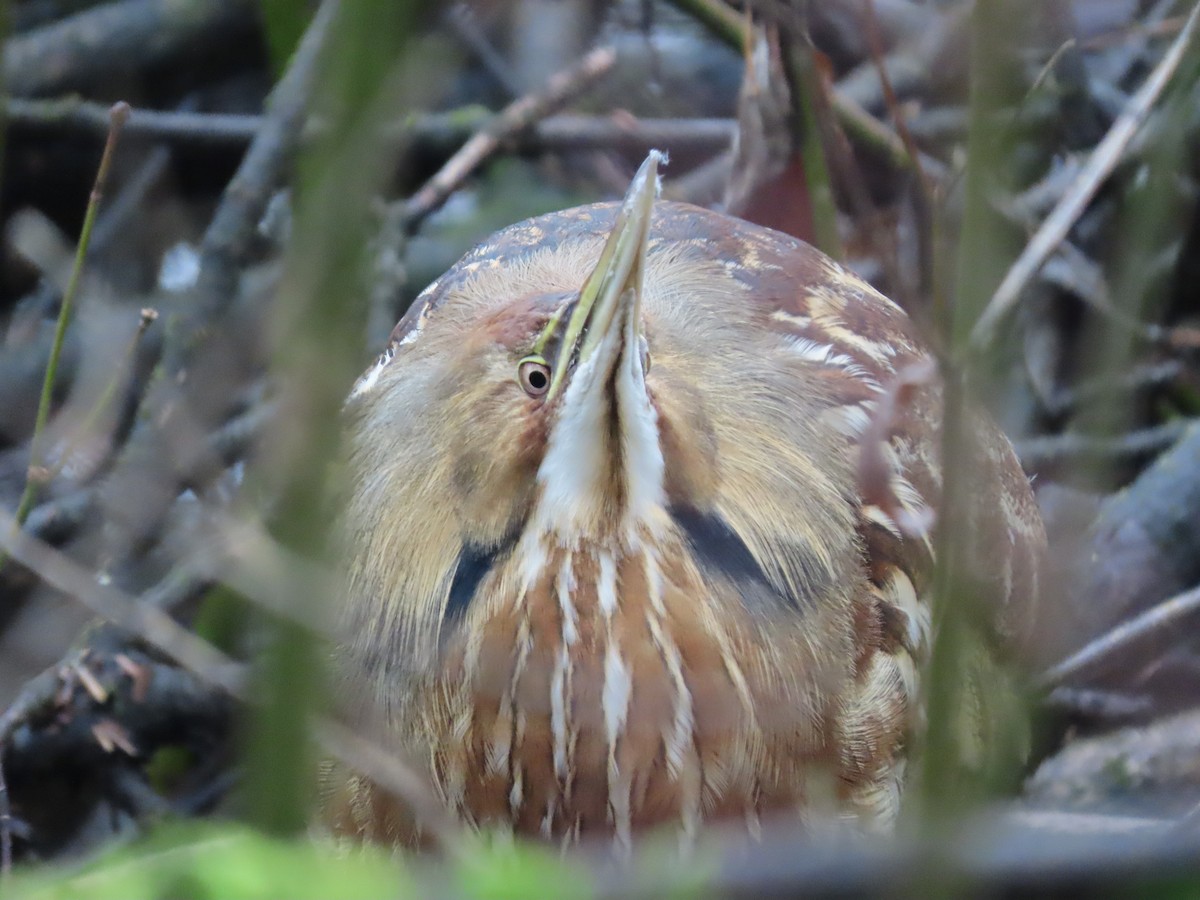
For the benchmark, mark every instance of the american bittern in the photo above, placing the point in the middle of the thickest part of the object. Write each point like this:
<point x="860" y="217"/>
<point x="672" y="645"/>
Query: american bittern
<point x="611" y="564"/>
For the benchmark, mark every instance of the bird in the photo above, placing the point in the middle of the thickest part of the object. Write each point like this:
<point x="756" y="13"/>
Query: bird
<point x="611" y="566"/>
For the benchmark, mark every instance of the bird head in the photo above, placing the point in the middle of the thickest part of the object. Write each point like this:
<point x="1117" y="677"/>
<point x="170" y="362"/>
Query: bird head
<point x="531" y="408"/>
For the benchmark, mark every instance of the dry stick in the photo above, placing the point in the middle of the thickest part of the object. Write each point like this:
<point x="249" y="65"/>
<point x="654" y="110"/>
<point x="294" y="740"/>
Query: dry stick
<point x="211" y="665"/>
<point x="555" y="133"/>
<point x="1098" y="167"/>
<point x="514" y="118"/>
<point x="1153" y="621"/>
<point x="35" y="475"/>
<point x="466" y="27"/>
<point x="150" y="623"/>
<point x="1138" y="379"/>
<point x="77" y="114"/>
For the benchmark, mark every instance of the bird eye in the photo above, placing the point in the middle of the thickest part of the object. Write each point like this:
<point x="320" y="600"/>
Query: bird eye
<point x="534" y="375"/>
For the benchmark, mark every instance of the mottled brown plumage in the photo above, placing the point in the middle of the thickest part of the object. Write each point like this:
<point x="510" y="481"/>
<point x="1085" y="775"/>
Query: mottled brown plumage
<point x="609" y="563"/>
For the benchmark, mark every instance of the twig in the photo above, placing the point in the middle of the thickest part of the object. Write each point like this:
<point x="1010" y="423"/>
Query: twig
<point x="809" y="118"/>
<point x="35" y="476"/>
<point x="867" y="130"/>
<point x="1111" y="706"/>
<point x="718" y="18"/>
<point x="513" y="119"/>
<point x="1041" y="451"/>
<point x="1098" y="167"/>
<point x="1167" y="614"/>
<point x="226" y="241"/>
<point x="463" y="23"/>
<point x="77" y="114"/>
<point x="554" y="134"/>
<point x="62" y="515"/>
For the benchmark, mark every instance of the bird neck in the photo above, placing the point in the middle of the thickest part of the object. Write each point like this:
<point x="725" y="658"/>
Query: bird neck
<point x="602" y="475"/>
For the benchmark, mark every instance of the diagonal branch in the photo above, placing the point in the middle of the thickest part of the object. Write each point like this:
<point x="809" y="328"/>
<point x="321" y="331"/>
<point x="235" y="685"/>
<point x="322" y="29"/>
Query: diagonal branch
<point x="1099" y="166"/>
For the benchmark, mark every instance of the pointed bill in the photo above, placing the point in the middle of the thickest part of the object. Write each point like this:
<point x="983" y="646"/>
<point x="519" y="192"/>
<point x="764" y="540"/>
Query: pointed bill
<point x="617" y="279"/>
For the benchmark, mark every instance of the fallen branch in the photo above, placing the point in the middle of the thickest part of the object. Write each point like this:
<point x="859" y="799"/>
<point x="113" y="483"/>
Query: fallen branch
<point x="76" y="115"/>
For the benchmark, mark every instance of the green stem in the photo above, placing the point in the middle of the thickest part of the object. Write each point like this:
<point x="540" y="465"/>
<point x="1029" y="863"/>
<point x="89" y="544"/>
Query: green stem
<point x="35" y="477"/>
<point x="804" y="81"/>
<point x="718" y="18"/>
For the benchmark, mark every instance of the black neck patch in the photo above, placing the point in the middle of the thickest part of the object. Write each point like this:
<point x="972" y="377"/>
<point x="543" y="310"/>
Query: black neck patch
<point x="474" y="563"/>
<point x="721" y="553"/>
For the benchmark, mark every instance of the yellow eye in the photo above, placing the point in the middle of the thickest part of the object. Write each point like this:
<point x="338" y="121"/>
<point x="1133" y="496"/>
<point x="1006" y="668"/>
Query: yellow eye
<point x="534" y="375"/>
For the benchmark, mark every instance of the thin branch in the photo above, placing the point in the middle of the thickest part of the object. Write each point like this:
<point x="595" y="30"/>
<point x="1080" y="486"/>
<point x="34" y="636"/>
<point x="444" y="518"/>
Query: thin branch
<point x="923" y="205"/>
<point x="1154" y="621"/>
<point x="1098" y="167"/>
<point x="465" y="26"/>
<point x="224" y="250"/>
<point x="437" y="129"/>
<point x="1136" y="380"/>
<point x="859" y="124"/>
<point x="79" y="115"/>
<point x="514" y="118"/>
<point x="808" y="119"/>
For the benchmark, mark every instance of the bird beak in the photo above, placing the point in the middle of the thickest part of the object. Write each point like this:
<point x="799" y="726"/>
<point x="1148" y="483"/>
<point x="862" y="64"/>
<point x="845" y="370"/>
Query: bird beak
<point x="611" y="297"/>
